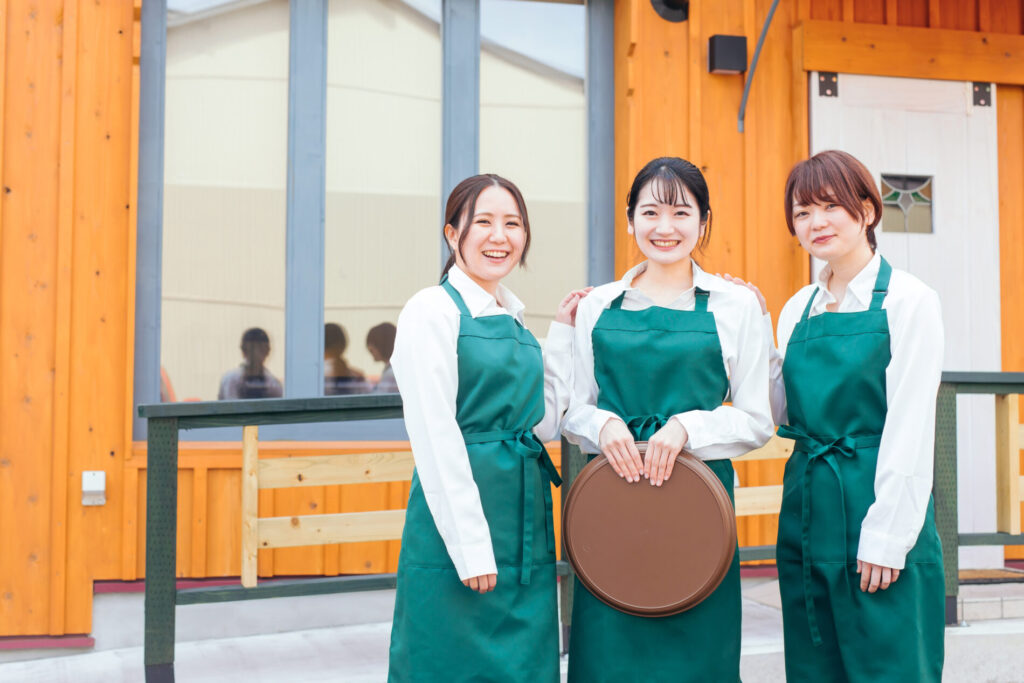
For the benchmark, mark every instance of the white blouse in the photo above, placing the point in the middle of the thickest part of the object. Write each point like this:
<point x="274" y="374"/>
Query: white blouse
<point x="427" y="371"/>
<point x="724" y="432"/>
<point x="903" y="478"/>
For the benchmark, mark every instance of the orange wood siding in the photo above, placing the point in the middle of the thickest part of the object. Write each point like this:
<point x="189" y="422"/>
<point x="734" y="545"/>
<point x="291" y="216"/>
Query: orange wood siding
<point x="667" y="104"/>
<point x="66" y="276"/>
<point x="209" y="512"/>
<point x="1010" y="117"/>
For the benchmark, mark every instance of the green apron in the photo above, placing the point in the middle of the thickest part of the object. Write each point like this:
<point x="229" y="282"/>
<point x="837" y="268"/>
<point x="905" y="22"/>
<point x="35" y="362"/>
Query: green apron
<point x="651" y="365"/>
<point x="834" y="374"/>
<point x="442" y="630"/>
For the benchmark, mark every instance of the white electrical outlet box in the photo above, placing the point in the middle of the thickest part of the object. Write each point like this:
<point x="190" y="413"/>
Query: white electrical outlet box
<point x="94" y="487"/>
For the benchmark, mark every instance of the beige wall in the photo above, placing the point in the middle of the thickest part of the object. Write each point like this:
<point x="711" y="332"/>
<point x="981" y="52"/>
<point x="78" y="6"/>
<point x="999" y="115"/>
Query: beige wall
<point x="226" y="156"/>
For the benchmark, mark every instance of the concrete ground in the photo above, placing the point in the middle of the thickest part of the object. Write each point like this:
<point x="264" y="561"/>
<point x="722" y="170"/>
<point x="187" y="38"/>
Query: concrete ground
<point x="345" y="638"/>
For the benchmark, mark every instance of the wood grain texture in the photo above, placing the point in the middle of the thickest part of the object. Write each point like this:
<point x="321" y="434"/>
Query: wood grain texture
<point x="327" y="470"/>
<point x="1010" y="131"/>
<point x="896" y="51"/>
<point x="758" y="500"/>
<point x="1008" y="498"/>
<point x="250" y="502"/>
<point x="346" y="527"/>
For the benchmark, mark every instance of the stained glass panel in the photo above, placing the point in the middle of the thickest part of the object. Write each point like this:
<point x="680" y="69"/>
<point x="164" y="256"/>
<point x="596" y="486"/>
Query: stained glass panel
<point x="906" y="203"/>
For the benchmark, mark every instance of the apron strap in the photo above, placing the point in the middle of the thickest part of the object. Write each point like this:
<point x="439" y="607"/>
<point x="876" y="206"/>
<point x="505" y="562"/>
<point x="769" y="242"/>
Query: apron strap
<point x="817" y="450"/>
<point x="700" y="304"/>
<point x="881" y="284"/>
<point x="616" y="303"/>
<point x="456" y="297"/>
<point x="529" y="447"/>
<point x="807" y="308"/>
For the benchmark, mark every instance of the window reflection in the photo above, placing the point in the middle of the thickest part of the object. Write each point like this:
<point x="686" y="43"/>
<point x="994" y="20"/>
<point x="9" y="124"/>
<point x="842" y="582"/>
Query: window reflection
<point x="251" y="379"/>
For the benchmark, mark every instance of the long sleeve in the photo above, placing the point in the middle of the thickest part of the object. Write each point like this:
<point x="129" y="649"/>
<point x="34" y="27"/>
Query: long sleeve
<point x="426" y="369"/>
<point x="584" y="420"/>
<point x="776" y="386"/>
<point x="903" y="478"/>
<point x="732" y="430"/>
<point x="557" y="380"/>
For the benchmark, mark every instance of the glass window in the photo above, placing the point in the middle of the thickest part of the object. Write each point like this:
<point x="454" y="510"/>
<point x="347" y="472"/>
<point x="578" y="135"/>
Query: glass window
<point x="533" y="131"/>
<point x="225" y="157"/>
<point x="906" y="203"/>
<point x="382" y="239"/>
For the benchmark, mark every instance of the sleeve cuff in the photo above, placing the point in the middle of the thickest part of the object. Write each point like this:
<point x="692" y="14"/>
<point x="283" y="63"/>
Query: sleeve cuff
<point x="882" y="549"/>
<point x="475" y="560"/>
<point x="693" y="423"/>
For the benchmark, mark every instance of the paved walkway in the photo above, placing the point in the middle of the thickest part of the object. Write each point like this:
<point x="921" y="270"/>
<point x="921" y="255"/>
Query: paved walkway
<point x="356" y="650"/>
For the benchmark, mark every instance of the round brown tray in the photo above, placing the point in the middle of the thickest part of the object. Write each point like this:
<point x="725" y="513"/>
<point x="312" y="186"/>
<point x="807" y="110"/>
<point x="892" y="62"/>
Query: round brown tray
<point x="647" y="550"/>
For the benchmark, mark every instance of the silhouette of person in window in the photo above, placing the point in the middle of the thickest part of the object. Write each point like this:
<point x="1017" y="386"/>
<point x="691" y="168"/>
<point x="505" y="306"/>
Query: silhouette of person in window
<point x="380" y="342"/>
<point x="339" y="378"/>
<point x="251" y="379"/>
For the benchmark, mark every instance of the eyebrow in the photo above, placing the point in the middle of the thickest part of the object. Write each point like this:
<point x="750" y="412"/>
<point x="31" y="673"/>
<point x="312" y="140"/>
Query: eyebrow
<point x="684" y="206"/>
<point x="488" y="213"/>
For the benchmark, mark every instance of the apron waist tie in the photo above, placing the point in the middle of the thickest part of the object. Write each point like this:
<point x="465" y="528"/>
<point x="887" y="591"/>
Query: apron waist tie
<point x="643" y="427"/>
<point x="818" y="450"/>
<point x="529" y="447"/>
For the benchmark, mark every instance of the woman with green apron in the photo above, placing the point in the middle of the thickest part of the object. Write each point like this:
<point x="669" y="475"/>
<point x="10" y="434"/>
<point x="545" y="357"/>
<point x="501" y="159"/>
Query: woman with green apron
<point x="655" y="356"/>
<point x="859" y="559"/>
<point x="476" y="576"/>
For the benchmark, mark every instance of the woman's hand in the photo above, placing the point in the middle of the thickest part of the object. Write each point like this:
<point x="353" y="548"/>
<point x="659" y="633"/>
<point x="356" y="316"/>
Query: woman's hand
<point x="484" y="583"/>
<point x="567" y="309"/>
<point x="752" y="287"/>
<point x="618" y="446"/>
<point x="875" y="576"/>
<point x="662" y="449"/>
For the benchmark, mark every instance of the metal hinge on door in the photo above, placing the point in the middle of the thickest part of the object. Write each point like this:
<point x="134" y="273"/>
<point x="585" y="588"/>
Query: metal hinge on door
<point x="982" y="94"/>
<point x="828" y="84"/>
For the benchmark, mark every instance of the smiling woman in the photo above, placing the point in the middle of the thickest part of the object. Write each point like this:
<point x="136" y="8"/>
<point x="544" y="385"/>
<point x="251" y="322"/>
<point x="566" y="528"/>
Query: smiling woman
<point x="691" y="339"/>
<point x="480" y="400"/>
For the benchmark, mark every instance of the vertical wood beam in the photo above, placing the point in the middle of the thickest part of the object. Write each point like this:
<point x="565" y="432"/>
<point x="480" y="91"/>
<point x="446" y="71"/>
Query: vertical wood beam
<point x="62" y="360"/>
<point x="200" y="505"/>
<point x="984" y="15"/>
<point x="892" y="12"/>
<point x="934" y="15"/>
<point x="1008" y="464"/>
<point x="250" y="504"/>
<point x="848" y="11"/>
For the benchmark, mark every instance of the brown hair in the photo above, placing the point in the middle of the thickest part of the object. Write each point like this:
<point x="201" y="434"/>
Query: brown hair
<point x="383" y="337"/>
<point x="834" y="177"/>
<point x="462" y="205"/>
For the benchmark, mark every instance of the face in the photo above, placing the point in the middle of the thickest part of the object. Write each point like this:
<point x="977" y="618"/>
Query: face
<point x="666" y="233"/>
<point x="828" y="231"/>
<point x="496" y="237"/>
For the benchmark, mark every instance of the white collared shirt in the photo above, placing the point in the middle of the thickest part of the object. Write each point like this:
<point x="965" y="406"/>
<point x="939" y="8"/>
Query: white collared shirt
<point x="427" y="371"/>
<point x="903" y="478"/>
<point x="725" y="432"/>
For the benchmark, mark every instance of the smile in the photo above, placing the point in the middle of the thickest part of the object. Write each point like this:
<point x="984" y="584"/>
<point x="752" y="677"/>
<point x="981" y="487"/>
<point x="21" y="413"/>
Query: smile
<point x="823" y="239"/>
<point x="494" y="254"/>
<point x="666" y="244"/>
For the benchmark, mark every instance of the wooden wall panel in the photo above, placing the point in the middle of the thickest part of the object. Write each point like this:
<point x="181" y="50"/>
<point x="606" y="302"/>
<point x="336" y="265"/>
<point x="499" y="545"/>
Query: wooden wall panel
<point x="32" y="43"/>
<point x="961" y="15"/>
<point x="1010" y="122"/>
<point x="827" y="10"/>
<point x="1006" y="16"/>
<point x="913" y="13"/>
<point x="99" y="324"/>
<point x="869" y="11"/>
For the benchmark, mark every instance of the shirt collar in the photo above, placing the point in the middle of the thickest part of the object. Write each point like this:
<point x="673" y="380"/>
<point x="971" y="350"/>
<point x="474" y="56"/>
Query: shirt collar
<point x="701" y="279"/>
<point x="860" y="287"/>
<point x="478" y="299"/>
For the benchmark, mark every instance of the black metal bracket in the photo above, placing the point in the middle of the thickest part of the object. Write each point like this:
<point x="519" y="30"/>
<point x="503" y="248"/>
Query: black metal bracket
<point x="982" y="94"/>
<point x="828" y="84"/>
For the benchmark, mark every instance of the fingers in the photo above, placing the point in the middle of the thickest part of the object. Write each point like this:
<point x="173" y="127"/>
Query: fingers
<point x="876" y="578"/>
<point x="649" y="456"/>
<point x="669" y="464"/>
<point x="864" y="569"/>
<point x="612" y="454"/>
<point x="663" y="460"/>
<point x="895" y="575"/>
<point x="635" y="462"/>
<point x="886" y="578"/>
<point x="492" y="581"/>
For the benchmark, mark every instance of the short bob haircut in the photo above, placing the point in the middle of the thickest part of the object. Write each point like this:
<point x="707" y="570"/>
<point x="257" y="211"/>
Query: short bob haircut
<point x="461" y="207"/>
<point x="834" y="177"/>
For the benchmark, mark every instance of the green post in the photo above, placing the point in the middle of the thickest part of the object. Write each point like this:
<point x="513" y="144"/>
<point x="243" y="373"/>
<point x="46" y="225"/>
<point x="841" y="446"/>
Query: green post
<point x="945" y="493"/>
<point x="161" y="538"/>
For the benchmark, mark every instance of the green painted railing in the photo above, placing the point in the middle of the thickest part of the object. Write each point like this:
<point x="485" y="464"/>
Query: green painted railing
<point x="167" y="419"/>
